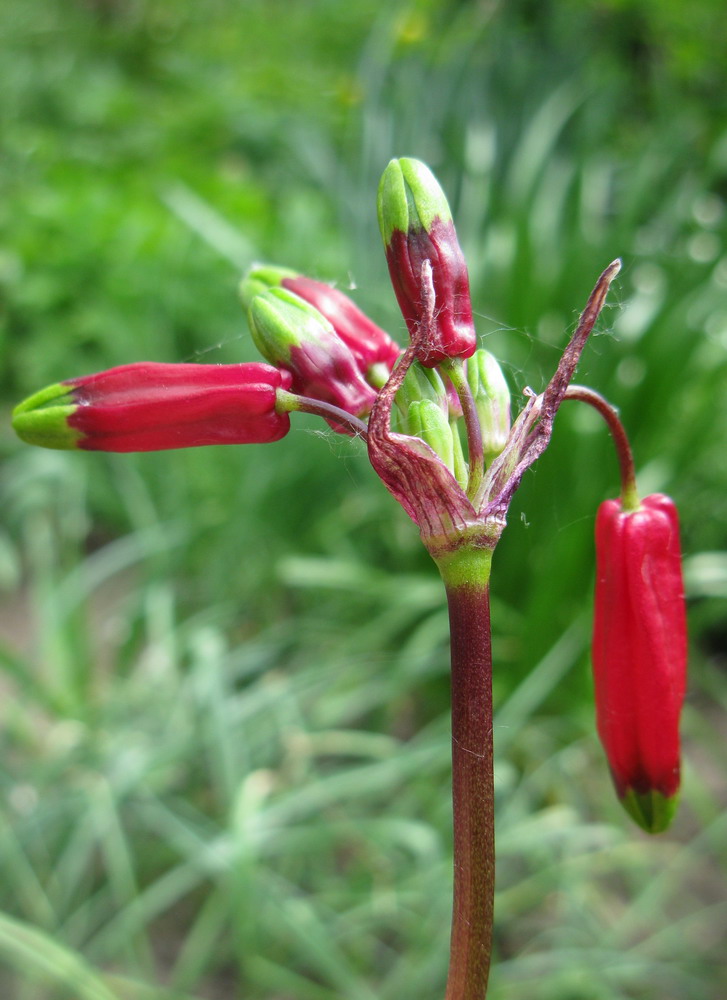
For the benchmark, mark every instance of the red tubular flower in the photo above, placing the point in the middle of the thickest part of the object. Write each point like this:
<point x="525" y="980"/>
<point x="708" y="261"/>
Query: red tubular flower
<point x="153" y="407"/>
<point x="640" y="654"/>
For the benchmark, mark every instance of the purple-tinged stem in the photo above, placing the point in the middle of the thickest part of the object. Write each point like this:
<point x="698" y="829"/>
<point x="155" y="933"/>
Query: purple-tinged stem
<point x="629" y="494"/>
<point x="472" y="777"/>
<point x="289" y="402"/>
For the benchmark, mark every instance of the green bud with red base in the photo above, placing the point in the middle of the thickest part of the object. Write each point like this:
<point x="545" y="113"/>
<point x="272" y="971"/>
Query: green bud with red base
<point x="295" y="335"/>
<point x="417" y="228"/>
<point x="369" y="344"/>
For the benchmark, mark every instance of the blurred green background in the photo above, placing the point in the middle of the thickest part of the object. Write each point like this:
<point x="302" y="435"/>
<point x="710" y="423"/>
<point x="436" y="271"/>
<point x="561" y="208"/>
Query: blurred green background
<point x="224" y="721"/>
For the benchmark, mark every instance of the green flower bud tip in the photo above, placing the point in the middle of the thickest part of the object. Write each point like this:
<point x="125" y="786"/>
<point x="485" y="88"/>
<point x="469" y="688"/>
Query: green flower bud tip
<point x="281" y="320"/>
<point x="651" y="810"/>
<point x="259" y="279"/>
<point x="410" y="198"/>
<point x="426" y="420"/>
<point x="421" y="383"/>
<point x="42" y="419"/>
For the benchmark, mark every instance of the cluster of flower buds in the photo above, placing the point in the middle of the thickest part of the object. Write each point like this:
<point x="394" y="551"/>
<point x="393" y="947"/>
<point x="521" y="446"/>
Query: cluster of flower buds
<point x="640" y="654"/>
<point x="336" y="358"/>
<point x="325" y="355"/>
<point x="450" y="455"/>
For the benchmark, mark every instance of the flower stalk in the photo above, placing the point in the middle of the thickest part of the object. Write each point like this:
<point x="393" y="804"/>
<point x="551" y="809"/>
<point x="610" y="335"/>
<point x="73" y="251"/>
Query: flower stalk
<point x="466" y="579"/>
<point x="629" y="493"/>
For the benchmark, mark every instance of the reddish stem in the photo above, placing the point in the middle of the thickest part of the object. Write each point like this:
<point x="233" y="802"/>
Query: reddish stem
<point x="629" y="494"/>
<point x="289" y="402"/>
<point x="472" y="790"/>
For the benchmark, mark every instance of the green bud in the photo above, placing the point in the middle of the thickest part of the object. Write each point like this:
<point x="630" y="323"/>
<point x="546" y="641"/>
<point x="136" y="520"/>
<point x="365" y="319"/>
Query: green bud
<point x="461" y="468"/>
<point x="426" y="420"/>
<point x="295" y="335"/>
<point x="42" y="419"/>
<point x="259" y="279"/>
<point x="421" y="383"/>
<point x="410" y="198"/>
<point x="281" y="320"/>
<point x="492" y="399"/>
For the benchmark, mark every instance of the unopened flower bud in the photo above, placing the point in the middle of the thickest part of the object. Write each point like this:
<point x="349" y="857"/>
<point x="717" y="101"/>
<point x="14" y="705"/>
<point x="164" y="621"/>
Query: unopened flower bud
<point x="152" y="407"/>
<point x="426" y="420"/>
<point x="259" y="279"/>
<point x="416" y="227"/>
<point x="640" y="654"/>
<point x="291" y="333"/>
<point x="370" y="345"/>
<point x="492" y="399"/>
<point x="421" y="383"/>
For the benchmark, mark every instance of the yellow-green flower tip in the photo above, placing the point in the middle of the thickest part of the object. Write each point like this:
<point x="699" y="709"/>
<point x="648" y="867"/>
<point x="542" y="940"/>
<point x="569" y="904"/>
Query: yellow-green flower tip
<point x="652" y="810"/>
<point x="410" y="199"/>
<point x="259" y="279"/>
<point x="280" y="320"/>
<point x="42" y="418"/>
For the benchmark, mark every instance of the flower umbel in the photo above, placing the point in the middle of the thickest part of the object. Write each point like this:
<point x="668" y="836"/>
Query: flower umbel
<point x="437" y="425"/>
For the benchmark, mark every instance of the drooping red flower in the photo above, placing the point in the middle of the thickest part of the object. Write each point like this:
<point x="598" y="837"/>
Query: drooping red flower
<point x="640" y="654"/>
<point x="152" y="407"/>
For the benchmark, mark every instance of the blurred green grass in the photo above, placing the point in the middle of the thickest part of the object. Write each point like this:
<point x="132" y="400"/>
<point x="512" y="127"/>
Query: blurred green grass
<point x="224" y="724"/>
